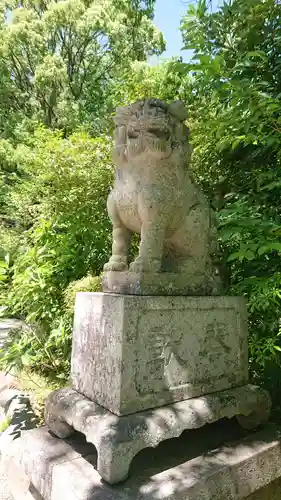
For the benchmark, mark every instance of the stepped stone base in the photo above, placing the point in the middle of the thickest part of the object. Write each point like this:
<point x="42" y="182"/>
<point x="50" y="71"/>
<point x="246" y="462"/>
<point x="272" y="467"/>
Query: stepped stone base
<point x="41" y="467"/>
<point x="119" y="439"/>
<point x="130" y="283"/>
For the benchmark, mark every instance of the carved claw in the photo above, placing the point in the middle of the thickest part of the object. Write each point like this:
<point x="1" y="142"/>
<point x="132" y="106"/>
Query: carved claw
<point x="116" y="263"/>
<point x="142" y="266"/>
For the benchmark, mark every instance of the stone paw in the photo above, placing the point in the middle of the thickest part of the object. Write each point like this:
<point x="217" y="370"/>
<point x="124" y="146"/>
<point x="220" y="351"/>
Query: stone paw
<point x="140" y="266"/>
<point x="115" y="265"/>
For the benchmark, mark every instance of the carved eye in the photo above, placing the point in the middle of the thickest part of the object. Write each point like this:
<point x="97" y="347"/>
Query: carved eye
<point x="133" y="134"/>
<point x="160" y="133"/>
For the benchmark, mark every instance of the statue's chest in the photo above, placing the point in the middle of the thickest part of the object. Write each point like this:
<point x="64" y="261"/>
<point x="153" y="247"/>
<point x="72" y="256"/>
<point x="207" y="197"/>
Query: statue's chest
<point x="126" y="191"/>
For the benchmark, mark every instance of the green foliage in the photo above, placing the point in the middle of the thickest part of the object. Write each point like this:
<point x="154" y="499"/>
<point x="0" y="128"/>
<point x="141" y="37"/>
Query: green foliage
<point x="3" y="271"/>
<point x="47" y="347"/>
<point x="61" y="201"/>
<point x="57" y="59"/>
<point x="60" y="67"/>
<point x="64" y="197"/>
<point x="235" y="110"/>
<point x="33" y="348"/>
<point x="142" y="80"/>
<point x="5" y="278"/>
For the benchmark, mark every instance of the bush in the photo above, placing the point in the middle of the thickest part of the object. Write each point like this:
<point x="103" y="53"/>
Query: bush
<point x="235" y="110"/>
<point x="44" y="351"/>
<point x="65" y="188"/>
<point x="47" y="350"/>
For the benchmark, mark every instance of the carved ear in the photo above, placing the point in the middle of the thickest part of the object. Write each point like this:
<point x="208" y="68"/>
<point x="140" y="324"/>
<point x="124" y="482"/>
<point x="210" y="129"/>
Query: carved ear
<point x="122" y="115"/>
<point x="178" y="109"/>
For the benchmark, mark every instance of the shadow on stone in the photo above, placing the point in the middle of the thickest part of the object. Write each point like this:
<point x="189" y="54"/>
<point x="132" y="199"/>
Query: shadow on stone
<point x="79" y="444"/>
<point x="190" y="444"/>
<point x="218" y="462"/>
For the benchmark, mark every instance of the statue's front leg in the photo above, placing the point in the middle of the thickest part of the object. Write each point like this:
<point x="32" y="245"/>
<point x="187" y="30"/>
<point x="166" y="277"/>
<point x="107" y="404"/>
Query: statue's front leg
<point x="151" y="246"/>
<point x="121" y="237"/>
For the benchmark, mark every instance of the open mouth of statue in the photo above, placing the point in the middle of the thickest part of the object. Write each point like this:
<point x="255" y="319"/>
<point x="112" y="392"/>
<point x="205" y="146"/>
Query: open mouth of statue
<point x="153" y="133"/>
<point x="161" y="134"/>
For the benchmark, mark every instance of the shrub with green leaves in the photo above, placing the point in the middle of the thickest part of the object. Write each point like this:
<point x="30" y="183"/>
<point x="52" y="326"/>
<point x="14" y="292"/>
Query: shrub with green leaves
<point x="65" y="188"/>
<point x="35" y="348"/>
<point x="236" y="114"/>
<point x="3" y="281"/>
<point x="47" y="348"/>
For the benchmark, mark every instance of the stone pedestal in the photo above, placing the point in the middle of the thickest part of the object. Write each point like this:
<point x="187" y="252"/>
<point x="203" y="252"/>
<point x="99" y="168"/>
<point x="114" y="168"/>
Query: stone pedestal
<point x="211" y="463"/>
<point x="119" y="439"/>
<point x="166" y="283"/>
<point x="131" y="353"/>
<point x="146" y="368"/>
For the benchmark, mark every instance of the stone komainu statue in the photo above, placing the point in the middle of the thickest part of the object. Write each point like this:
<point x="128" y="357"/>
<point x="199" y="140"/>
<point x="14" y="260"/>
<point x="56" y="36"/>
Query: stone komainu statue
<point x="155" y="195"/>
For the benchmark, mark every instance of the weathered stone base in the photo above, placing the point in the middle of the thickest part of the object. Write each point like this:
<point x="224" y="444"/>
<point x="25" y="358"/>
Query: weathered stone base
<point x="131" y="353"/>
<point x="41" y="467"/>
<point x="130" y="283"/>
<point x="119" y="439"/>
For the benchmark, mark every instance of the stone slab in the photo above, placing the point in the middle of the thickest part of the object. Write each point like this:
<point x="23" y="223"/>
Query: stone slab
<point x="233" y="471"/>
<point x="21" y="417"/>
<point x="119" y="439"/>
<point x="7" y="395"/>
<point x="8" y="381"/>
<point x="271" y="491"/>
<point x="131" y="353"/>
<point x="165" y="283"/>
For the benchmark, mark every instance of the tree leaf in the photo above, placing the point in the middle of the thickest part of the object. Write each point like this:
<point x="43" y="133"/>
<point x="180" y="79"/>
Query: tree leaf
<point x="257" y="53"/>
<point x="26" y="359"/>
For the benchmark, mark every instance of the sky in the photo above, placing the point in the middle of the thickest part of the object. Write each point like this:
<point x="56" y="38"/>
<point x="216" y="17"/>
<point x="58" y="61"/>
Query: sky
<point x="168" y="14"/>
